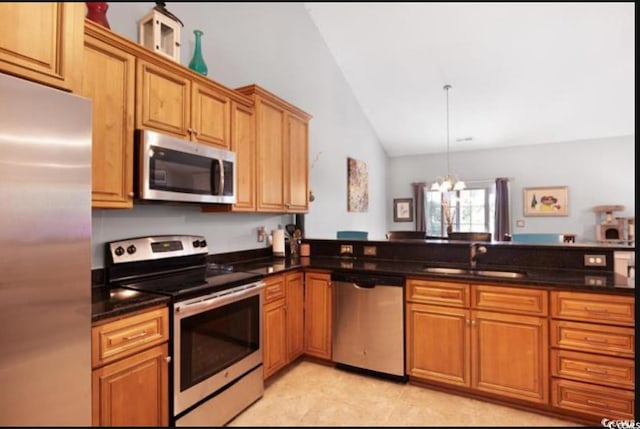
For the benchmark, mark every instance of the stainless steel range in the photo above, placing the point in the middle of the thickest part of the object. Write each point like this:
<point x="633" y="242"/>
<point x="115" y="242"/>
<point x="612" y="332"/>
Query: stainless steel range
<point x="216" y="332"/>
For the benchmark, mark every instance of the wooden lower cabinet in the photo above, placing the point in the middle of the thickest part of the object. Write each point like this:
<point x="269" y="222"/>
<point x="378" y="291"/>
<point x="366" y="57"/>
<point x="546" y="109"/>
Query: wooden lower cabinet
<point x="130" y="362"/>
<point x="294" y="305"/>
<point x="442" y="329"/>
<point x="283" y="321"/>
<point x="132" y="391"/>
<point x="318" y="315"/>
<point x="593" y="354"/>
<point x="600" y="401"/>
<point x="274" y="355"/>
<point x="461" y="342"/>
<point x="510" y="355"/>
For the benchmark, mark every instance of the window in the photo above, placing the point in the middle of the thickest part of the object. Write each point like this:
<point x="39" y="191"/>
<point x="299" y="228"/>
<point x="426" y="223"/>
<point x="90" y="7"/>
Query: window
<point x="471" y="210"/>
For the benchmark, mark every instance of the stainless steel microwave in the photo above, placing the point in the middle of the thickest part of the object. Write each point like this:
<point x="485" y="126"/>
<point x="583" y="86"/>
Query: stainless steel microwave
<point x="172" y="169"/>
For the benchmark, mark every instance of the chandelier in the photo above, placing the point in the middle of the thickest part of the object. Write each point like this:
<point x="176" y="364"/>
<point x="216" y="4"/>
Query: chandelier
<point x="449" y="182"/>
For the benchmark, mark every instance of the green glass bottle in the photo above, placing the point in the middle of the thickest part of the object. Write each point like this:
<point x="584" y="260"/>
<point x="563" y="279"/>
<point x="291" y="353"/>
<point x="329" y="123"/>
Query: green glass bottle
<point x="197" y="63"/>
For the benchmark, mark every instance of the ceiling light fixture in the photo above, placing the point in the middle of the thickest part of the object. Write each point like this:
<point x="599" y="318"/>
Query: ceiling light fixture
<point x="449" y="182"/>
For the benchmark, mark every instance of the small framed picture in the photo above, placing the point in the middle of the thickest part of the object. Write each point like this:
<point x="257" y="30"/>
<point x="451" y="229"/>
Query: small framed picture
<point x="403" y="210"/>
<point x="546" y="201"/>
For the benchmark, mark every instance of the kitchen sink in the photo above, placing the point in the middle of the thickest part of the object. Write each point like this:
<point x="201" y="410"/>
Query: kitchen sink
<point x="444" y="270"/>
<point x="481" y="273"/>
<point x="499" y="273"/>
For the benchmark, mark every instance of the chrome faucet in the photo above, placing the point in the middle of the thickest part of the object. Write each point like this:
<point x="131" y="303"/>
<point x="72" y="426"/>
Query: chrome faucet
<point x="476" y="250"/>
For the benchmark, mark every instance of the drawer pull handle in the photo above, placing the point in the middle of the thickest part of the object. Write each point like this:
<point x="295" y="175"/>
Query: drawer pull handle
<point x="596" y="403"/>
<point x="597" y="371"/>
<point x="597" y="340"/>
<point x="133" y="337"/>
<point x="597" y="310"/>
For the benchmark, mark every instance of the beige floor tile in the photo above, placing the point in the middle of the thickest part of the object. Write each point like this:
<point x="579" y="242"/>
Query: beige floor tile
<point x="311" y="394"/>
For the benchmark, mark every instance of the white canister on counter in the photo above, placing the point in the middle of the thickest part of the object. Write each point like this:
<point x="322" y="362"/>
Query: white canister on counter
<point x="278" y="242"/>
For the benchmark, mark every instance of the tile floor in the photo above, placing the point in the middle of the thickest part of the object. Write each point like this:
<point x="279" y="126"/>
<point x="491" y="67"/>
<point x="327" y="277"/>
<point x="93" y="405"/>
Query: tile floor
<point x="311" y="394"/>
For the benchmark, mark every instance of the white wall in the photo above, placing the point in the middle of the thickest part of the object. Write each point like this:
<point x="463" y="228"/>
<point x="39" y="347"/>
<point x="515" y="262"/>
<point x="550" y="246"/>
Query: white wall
<point x="277" y="46"/>
<point x="597" y="172"/>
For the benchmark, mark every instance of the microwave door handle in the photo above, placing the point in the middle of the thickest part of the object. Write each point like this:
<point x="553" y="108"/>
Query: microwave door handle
<point x="221" y="164"/>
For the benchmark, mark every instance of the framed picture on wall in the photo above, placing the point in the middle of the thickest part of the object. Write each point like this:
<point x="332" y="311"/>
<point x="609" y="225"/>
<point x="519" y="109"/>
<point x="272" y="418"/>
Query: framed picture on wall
<point x="546" y="201"/>
<point x="403" y="210"/>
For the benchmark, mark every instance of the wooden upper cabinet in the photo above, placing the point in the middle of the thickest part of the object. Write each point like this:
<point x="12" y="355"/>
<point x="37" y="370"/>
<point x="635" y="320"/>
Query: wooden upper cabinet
<point x="282" y="164"/>
<point x="108" y="79"/>
<point x="243" y="143"/>
<point x="42" y="42"/>
<point x="210" y="116"/>
<point x="270" y="123"/>
<point x="297" y="185"/>
<point x="163" y="100"/>
<point x="170" y="100"/>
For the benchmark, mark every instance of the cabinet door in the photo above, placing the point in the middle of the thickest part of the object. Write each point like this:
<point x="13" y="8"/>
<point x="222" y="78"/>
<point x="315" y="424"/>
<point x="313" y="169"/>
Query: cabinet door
<point x="133" y="391"/>
<point x="42" y="42"/>
<point x="210" y="116"/>
<point x="163" y="100"/>
<point x="108" y="80"/>
<point x="297" y="179"/>
<point x="510" y="355"/>
<point x="318" y="315"/>
<point x="271" y="141"/>
<point x="438" y="344"/>
<point x="275" y="350"/>
<point x="295" y="314"/>
<point x="243" y="143"/>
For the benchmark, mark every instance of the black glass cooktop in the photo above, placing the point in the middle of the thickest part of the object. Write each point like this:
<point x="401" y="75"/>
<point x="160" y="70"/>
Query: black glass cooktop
<point x="198" y="281"/>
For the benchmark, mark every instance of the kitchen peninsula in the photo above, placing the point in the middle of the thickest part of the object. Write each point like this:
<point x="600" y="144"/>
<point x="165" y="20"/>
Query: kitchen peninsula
<point x="562" y="312"/>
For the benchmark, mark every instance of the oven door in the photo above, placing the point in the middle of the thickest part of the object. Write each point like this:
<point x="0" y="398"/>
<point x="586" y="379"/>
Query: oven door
<point x="171" y="169"/>
<point x="217" y="339"/>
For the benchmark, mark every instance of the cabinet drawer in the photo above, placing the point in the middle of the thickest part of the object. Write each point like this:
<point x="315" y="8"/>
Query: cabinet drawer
<point x="124" y="337"/>
<point x="438" y="293"/>
<point x="592" y="307"/>
<point x="274" y="288"/>
<point x="592" y="368"/>
<point x="609" y="340"/>
<point x="588" y="398"/>
<point x="510" y="299"/>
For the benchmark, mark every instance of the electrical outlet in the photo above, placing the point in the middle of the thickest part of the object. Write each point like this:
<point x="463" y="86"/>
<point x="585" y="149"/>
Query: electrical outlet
<point x="370" y="250"/>
<point x="595" y="280"/>
<point x="261" y="234"/>
<point x="346" y="249"/>
<point x="595" y="260"/>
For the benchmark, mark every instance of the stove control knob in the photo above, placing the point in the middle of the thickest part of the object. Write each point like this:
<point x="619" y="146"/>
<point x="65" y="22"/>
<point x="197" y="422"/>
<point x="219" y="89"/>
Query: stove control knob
<point x="119" y="251"/>
<point x="203" y="243"/>
<point x="196" y="243"/>
<point x="131" y="249"/>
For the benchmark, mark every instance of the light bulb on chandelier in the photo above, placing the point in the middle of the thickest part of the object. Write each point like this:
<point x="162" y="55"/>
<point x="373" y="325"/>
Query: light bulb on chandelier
<point x="449" y="182"/>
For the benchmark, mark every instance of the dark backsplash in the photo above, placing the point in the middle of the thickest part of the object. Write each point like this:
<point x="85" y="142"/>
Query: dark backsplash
<point x="498" y="254"/>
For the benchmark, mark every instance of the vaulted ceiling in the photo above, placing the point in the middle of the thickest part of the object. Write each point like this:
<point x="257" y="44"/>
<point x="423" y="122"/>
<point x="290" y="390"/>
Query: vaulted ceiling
<point x="521" y="73"/>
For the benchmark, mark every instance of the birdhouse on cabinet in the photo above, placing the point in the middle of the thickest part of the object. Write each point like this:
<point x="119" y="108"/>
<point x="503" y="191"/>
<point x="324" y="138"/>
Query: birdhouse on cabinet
<point x="159" y="30"/>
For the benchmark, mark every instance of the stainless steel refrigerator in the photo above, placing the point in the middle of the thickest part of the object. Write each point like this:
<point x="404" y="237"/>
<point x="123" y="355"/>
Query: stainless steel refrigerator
<point x="45" y="256"/>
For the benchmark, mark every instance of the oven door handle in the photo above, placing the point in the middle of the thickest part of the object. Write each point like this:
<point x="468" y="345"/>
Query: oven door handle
<point x="219" y="300"/>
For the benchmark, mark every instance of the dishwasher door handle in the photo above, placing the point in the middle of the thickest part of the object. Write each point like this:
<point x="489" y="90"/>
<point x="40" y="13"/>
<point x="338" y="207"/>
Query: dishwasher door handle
<point x="363" y="285"/>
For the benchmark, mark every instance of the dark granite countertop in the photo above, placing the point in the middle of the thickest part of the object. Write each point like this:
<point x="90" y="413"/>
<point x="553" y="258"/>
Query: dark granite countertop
<point x="107" y="303"/>
<point x="554" y="278"/>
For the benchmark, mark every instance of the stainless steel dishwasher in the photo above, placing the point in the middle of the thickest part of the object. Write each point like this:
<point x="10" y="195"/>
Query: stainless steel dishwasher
<point x="368" y="323"/>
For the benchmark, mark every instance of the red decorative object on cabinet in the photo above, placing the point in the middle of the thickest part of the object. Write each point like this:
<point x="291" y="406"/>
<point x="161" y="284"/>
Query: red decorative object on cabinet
<point x="97" y="12"/>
